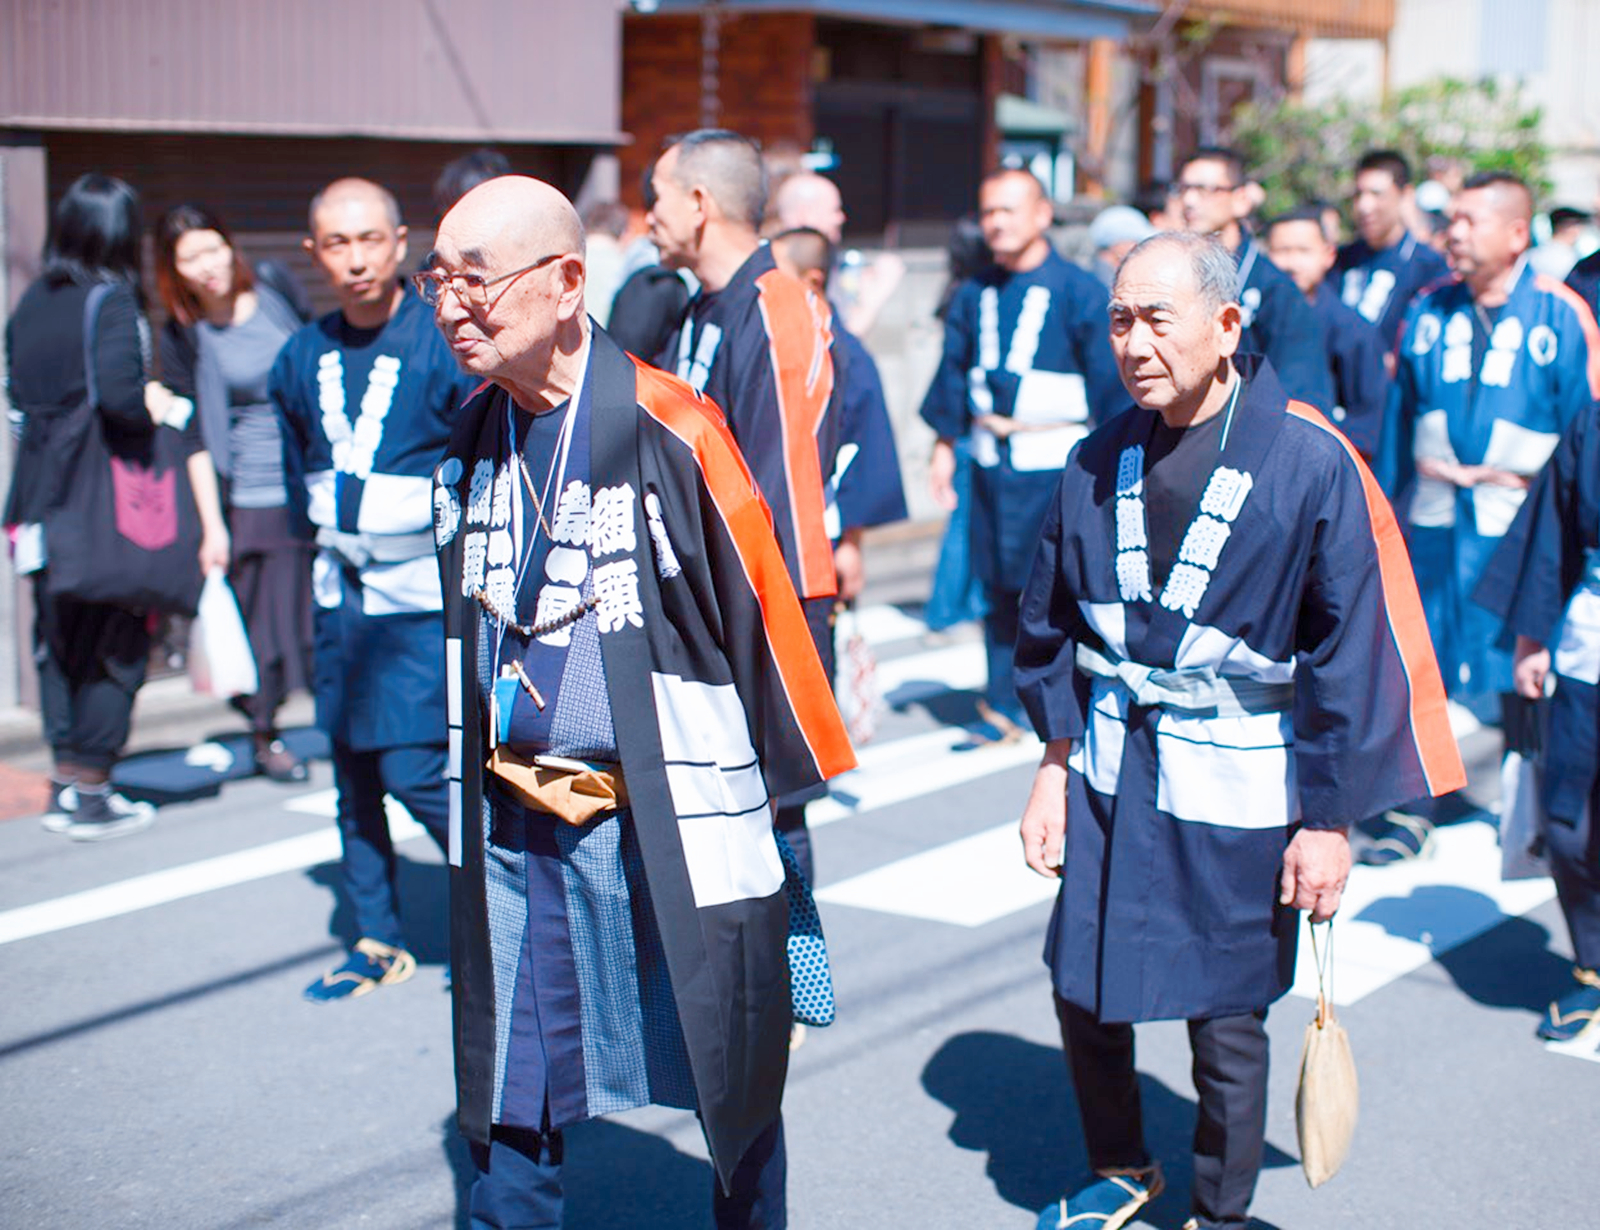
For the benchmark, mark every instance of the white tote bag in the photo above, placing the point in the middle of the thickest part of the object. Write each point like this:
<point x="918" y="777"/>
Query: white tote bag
<point x="220" y="661"/>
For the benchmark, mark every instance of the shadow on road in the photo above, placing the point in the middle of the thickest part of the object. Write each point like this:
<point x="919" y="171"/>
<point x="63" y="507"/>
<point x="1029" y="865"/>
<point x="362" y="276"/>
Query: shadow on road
<point x="1509" y="965"/>
<point x="614" y="1175"/>
<point x="199" y="771"/>
<point x="1013" y="1100"/>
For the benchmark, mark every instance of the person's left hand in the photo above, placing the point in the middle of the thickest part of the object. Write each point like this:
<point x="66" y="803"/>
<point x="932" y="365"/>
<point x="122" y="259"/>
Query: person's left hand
<point x="215" y="550"/>
<point x="1315" y="868"/>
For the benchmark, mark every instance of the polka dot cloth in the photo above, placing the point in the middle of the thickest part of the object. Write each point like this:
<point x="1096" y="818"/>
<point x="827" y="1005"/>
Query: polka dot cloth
<point x="810" y="979"/>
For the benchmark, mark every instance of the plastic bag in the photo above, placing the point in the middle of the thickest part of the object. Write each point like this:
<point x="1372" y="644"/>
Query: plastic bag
<point x="220" y="661"/>
<point x="1328" y="1096"/>
<point x="1522" y="855"/>
<point x="856" y="686"/>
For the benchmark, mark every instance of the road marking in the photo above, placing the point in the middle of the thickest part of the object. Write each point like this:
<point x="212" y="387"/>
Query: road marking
<point x="911" y="768"/>
<point x="892" y="772"/>
<point x="192" y="879"/>
<point x="884" y="625"/>
<point x="968" y="883"/>
<point x="1585" y="1046"/>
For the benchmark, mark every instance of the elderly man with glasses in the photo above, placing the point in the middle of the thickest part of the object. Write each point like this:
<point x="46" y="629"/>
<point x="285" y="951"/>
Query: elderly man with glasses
<point x="631" y="684"/>
<point x="367" y="396"/>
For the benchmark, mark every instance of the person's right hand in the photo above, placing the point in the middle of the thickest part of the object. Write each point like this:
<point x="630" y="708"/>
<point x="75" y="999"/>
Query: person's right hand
<point x="1044" y="819"/>
<point x="942" y="474"/>
<point x="1530" y="667"/>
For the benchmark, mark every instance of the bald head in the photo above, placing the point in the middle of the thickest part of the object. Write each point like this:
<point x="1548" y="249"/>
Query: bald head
<point x="807" y="200"/>
<point x="358" y="190"/>
<point x="511" y="221"/>
<point x="509" y="282"/>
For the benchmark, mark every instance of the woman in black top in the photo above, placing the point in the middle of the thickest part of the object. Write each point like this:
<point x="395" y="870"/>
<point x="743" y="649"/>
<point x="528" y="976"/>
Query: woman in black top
<point x="90" y="656"/>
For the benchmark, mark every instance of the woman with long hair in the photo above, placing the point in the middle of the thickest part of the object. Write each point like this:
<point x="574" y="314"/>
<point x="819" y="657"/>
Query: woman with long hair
<point x="90" y="655"/>
<point x="231" y="325"/>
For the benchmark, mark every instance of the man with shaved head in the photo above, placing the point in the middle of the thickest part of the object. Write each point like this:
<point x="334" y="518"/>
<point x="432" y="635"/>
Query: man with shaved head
<point x="1221" y="646"/>
<point x="760" y="345"/>
<point x="1491" y="368"/>
<point x="631" y="683"/>
<point x="367" y="397"/>
<point x="1025" y="372"/>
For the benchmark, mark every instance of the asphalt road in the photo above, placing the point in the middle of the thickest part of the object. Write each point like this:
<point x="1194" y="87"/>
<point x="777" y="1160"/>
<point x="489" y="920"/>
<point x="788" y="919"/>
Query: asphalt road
<point x="159" y="1067"/>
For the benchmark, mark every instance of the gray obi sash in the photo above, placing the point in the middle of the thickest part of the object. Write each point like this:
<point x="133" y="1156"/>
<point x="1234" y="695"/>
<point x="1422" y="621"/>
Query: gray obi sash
<point x="1194" y="690"/>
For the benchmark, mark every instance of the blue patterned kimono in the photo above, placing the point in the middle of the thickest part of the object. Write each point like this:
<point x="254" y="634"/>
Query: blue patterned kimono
<point x="1499" y="397"/>
<point x="1035" y="347"/>
<point x="639" y="957"/>
<point x="1280" y="676"/>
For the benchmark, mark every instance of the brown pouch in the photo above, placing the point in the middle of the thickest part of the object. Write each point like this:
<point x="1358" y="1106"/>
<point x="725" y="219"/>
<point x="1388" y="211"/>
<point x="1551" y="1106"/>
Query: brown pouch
<point x="574" y="791"/>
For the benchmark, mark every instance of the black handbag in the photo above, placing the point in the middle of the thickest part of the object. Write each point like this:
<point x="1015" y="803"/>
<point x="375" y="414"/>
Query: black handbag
<point x="123" y="529"/>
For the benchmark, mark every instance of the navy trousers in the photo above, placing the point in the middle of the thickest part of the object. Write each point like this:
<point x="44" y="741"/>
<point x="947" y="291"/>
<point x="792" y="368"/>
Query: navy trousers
<point x="415" y="776"/>
<point x="1575" y="867"/>
<point x="1230" y="1075"/>
<point x="519" y="1184"/>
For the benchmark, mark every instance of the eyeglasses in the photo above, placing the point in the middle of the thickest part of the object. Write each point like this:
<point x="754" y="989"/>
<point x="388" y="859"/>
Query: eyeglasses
<point x="470" y="289"/>
<point x="1207" y="189"/>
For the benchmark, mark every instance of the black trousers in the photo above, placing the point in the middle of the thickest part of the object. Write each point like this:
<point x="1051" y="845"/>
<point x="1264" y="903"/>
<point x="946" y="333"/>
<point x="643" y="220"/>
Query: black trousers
<point x="1575" y="867"/>
<point x="91" y="660"/>
<point x="1230" y="1076"/>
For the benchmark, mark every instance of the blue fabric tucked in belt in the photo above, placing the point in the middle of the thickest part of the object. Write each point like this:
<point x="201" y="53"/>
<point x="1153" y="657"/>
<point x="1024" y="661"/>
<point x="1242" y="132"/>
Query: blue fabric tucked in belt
<point x="1194" y="689"/>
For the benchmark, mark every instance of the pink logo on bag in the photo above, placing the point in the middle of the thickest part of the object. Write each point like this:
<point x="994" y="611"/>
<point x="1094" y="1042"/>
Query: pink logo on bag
<point x="146" y="504"/>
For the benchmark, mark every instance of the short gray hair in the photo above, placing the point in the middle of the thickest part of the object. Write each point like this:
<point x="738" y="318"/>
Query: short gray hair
<point x="1216" y="273"/>
<point x="728" y="165"/>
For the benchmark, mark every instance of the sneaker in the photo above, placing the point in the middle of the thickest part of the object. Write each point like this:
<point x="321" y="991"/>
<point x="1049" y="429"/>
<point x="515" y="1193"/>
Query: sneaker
<point x="63" y="802"/>
<point x="1106" y="1204"/>
<point x="1397" y="837"/>
<point x="1576" y="1012"/>
<point x="371" y="965"/>
<point x="101" y="815"/>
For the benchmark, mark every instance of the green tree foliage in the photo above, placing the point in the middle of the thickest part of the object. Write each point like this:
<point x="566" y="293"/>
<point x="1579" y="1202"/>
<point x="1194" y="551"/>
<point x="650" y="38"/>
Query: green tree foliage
<point x="1304" y="153"/>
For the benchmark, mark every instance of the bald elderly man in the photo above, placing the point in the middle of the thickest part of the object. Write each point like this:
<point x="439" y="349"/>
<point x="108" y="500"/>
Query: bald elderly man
<point x="632" y="683"/>
<point x="367" y="396"/>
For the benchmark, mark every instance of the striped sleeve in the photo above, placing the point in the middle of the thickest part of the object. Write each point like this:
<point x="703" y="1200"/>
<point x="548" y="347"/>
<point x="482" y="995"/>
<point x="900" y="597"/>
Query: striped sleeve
<point x="783" y="673"/>
<point x="1372" y="730"/>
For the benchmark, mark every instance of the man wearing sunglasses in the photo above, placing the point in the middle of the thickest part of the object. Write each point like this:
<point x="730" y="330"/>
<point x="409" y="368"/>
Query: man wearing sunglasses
<point x="631" y="683"/>
<point x="367" y="396"/>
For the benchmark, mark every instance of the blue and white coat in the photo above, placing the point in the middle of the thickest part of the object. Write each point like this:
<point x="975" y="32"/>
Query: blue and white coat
<point x="1281" y="677"/>
<point x="366" y="415"/>
<point x="1035" y="347"/>
<point x="1539" y="370"/>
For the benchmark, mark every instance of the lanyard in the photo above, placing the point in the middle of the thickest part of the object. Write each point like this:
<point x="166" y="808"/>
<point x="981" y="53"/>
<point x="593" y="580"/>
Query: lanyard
<point x="554" y="479"/>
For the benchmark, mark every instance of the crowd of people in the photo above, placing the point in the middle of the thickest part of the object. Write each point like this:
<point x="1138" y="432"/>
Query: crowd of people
<point x="1243" y="512"/>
